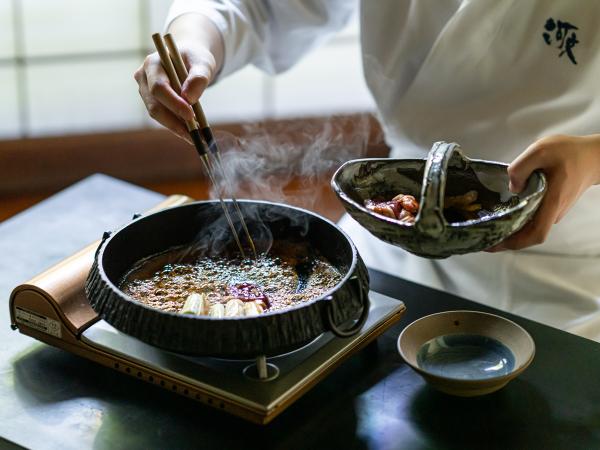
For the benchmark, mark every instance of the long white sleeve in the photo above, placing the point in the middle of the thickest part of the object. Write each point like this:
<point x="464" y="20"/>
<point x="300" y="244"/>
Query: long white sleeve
<point x="271" y="34"/>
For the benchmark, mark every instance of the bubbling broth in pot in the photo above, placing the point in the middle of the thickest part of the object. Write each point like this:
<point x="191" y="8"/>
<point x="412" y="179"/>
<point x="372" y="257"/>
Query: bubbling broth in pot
<point x="290" y="273"/>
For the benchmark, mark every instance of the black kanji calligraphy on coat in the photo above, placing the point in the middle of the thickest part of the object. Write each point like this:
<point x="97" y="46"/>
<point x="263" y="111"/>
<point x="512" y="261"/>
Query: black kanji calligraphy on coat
<point x="563" y="35"/>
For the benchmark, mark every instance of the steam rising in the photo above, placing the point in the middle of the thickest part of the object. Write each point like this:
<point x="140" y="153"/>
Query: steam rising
<point x="262" y="164"/>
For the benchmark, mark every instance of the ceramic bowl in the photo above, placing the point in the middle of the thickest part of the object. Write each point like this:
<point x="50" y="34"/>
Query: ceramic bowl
<point x="446" y="171"/>
<point x="466" y="353"/>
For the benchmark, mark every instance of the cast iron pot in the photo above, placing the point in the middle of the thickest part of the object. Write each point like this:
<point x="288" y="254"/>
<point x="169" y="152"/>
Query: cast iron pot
<point x="270" y="333"/>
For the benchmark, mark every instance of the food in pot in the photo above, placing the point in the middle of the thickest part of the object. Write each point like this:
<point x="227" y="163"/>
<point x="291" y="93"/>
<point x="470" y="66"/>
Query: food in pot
<point x="217" y="310"/>
<point x="234" y="307"/>
<point x="196" y="304"/>
<point x="404" y="208"/>
<point x="253" y="308"/>
<point x="229" y="286"/>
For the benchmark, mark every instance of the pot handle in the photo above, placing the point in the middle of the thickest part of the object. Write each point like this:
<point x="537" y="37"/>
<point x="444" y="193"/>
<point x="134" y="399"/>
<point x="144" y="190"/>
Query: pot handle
<point x="430" y="219"/>
<point x="105" y="236"/>
<point x="364" y="300"/>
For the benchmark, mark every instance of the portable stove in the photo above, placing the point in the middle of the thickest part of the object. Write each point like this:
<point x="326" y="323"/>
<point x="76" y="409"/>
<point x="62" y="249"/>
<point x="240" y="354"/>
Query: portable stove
<point x="52" y="308"/>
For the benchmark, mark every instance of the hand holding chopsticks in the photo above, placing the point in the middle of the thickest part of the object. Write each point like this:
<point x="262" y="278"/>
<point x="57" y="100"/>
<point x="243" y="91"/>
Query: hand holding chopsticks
<point x="199" y="129"/>
<point x="167" y="64"/>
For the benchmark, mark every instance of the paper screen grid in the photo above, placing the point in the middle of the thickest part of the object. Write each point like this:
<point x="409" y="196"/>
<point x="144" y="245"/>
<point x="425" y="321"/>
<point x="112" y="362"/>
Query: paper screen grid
<point x="66" y="67"/>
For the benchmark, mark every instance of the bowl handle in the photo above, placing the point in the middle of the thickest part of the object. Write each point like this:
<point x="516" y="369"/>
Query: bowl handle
<point x="364" y="300"/>
<point x="430" y="219"/>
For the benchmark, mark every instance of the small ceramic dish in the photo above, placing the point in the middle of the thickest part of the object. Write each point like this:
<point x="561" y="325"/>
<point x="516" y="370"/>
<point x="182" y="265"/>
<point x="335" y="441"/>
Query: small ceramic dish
<point x="466" y="353"/>
<point x="446" y="171"/>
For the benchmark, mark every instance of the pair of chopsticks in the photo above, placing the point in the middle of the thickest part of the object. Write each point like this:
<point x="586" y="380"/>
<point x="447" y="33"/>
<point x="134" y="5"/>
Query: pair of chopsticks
<point x="200" y="131"/>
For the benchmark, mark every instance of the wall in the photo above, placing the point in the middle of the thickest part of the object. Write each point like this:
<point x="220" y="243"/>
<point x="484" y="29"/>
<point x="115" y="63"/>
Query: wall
<point x="66" y="68"/>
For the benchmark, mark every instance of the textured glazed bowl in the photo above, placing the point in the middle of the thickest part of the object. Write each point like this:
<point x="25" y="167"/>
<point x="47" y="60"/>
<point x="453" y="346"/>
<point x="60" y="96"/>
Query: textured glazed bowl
<point x="446" y="171"/>
<point x="508" y="333"/>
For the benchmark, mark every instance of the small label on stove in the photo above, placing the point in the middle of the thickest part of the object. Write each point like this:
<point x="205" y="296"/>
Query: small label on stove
<point x="38" y="322"/>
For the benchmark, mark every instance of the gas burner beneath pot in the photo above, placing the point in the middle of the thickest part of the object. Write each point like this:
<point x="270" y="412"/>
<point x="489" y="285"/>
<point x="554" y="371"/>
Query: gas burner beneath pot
<point x="52" y="307"/>
<point x="232" y="385"/>
<point x="249" y="360"/>
<point x="261" y="370"/>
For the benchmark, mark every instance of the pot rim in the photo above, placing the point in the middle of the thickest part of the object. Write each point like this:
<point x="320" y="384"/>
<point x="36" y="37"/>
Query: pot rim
<point x="325" y="297"/>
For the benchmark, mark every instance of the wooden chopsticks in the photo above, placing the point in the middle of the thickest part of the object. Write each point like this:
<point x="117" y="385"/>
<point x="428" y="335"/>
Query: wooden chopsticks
<point x="206" y="131"/>
<point x="182" y="73"/>
<point x="200" y="131"/>
<point x="167" y="64"/>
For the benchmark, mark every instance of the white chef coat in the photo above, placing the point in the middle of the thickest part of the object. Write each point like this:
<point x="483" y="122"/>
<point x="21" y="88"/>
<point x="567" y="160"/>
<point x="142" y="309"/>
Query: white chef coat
<point x="492" y="75"/>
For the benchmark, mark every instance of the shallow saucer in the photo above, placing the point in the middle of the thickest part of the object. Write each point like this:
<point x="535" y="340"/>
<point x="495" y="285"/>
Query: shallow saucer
<point x="466" y="353"/>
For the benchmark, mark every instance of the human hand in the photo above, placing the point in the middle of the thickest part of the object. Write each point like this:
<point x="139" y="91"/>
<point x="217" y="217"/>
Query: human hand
<point x="571" y="165"/>
<point x="201" y="46"/>
<point x="163" y="103"/>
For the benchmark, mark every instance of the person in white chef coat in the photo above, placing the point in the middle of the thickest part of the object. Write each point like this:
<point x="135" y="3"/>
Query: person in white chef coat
<point x="510" y="81"/>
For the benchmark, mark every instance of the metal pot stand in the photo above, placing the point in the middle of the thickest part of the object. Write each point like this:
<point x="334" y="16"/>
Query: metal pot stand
<point x="235" y="386"/>
<point x="52" y="308"/>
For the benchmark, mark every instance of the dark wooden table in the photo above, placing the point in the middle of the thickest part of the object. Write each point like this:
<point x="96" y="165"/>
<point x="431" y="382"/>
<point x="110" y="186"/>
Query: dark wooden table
<point x="52" y="399"/>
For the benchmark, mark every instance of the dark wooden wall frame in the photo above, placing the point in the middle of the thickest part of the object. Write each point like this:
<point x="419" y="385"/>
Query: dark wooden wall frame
<point x="29" y="166"/>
